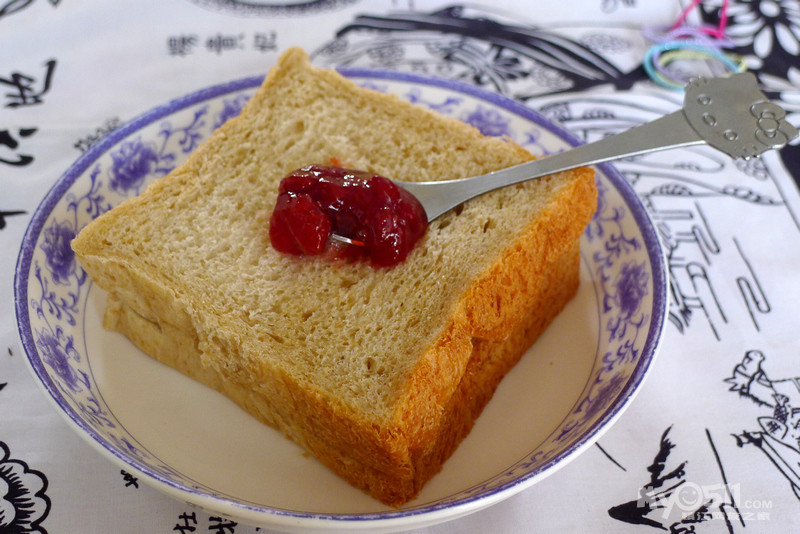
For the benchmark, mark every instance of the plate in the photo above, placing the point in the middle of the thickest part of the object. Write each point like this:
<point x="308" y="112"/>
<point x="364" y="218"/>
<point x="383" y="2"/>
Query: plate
<point x="197" y="446"/>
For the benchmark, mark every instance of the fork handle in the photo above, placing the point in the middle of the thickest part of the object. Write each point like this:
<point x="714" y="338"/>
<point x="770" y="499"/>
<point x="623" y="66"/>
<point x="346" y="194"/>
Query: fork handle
<point x="667" y="132"/>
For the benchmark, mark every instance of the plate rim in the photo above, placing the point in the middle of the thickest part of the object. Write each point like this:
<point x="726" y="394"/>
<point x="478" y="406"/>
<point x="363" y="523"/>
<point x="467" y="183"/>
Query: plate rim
<point x="436" y="512"/>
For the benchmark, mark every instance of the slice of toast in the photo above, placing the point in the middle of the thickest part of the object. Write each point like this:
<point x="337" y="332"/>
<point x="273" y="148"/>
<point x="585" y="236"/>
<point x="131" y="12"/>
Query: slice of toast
<point x="378" y="372"/>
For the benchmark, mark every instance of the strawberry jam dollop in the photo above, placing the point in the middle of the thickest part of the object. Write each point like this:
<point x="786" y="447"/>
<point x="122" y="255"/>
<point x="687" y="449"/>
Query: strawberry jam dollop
<point x="383" y="220"/>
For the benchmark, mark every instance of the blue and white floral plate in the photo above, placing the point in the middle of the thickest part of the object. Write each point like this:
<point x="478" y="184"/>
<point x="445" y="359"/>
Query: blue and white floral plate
<point x="195" y="445"/>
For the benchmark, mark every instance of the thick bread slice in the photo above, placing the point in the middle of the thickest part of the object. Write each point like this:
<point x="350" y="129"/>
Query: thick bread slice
<point x="488" y="364"/>
<point x="362" y="366"/>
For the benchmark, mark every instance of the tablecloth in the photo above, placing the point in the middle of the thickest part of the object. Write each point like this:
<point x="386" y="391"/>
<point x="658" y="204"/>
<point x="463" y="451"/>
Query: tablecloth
<point x="714" y="429"/>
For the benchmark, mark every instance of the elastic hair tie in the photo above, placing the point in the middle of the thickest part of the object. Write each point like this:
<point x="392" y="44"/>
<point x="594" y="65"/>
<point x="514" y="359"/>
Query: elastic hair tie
<point x="732" y="62"/>
<point x="680" y="41"/>
<point x="659" y="56"/>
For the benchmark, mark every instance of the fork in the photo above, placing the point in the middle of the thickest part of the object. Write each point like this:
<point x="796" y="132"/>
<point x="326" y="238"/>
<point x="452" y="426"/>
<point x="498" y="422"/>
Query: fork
<point x="730" y="114"/>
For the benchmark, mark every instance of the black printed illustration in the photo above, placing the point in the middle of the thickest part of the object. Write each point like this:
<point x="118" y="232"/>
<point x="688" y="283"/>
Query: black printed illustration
<point x="9" y="213"/>
<point x="767" y="34"/>
<point x="670" y="500"/>
<point x="23" y="502"/>
<point x="779" y="434"/>
<point x="704" y="254"/>
<point x="9" y="7"/>
<point x="471" y="45"/>
<point x="763" y="31"/>
<point x="695" y="287"/>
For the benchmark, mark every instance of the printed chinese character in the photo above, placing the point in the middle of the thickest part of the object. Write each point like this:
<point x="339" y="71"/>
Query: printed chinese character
<point x="220" y="43"/>
<point x="181" y="45"/>
<point x="221" y="526"/>
<point x="129" y="479"/>
<point x="24" y="91"/>
<point x="265" y="42"/>
<point x="87" y="142"/>
<point x="8" y="140"/>
<point x="189" y="522"/>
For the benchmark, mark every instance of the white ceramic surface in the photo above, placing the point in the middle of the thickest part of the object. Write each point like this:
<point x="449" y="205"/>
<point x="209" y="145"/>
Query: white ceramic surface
<point x="195" y="445"/>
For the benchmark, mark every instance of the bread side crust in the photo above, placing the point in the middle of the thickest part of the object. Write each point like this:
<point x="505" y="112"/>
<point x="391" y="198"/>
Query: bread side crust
<point x="488" y="363"/>
<point x="491" y="360"/>
<point x="493" y="307"/>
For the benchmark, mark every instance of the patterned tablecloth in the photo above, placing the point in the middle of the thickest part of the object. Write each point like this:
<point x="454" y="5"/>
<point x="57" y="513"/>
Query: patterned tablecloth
<point x="715" y="431"/>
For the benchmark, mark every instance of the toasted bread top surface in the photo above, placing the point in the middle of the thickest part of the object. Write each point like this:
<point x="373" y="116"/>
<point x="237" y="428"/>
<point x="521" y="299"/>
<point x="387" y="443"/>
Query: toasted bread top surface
<point x="197" y="240"/>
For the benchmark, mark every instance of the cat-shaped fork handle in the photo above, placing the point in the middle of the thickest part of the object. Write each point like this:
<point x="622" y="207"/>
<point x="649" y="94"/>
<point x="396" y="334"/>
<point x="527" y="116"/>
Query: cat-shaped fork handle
<point x="733" y="115"/>
<point x="730" y="114"/>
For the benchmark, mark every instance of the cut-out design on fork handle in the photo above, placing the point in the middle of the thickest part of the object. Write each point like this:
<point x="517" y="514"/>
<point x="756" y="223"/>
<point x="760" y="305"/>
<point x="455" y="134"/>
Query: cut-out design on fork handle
<point x="734" y="116"/>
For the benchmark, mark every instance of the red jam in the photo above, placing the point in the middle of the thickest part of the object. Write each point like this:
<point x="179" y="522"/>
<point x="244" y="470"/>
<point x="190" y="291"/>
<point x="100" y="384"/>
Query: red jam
<point x="315" y="201"/>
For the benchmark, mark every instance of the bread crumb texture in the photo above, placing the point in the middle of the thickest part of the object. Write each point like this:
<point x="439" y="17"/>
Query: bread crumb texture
<point x="357" y="364"/>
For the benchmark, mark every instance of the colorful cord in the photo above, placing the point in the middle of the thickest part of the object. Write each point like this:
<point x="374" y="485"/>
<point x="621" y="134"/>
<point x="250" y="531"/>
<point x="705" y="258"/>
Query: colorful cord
<point x="682" y="42"/>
